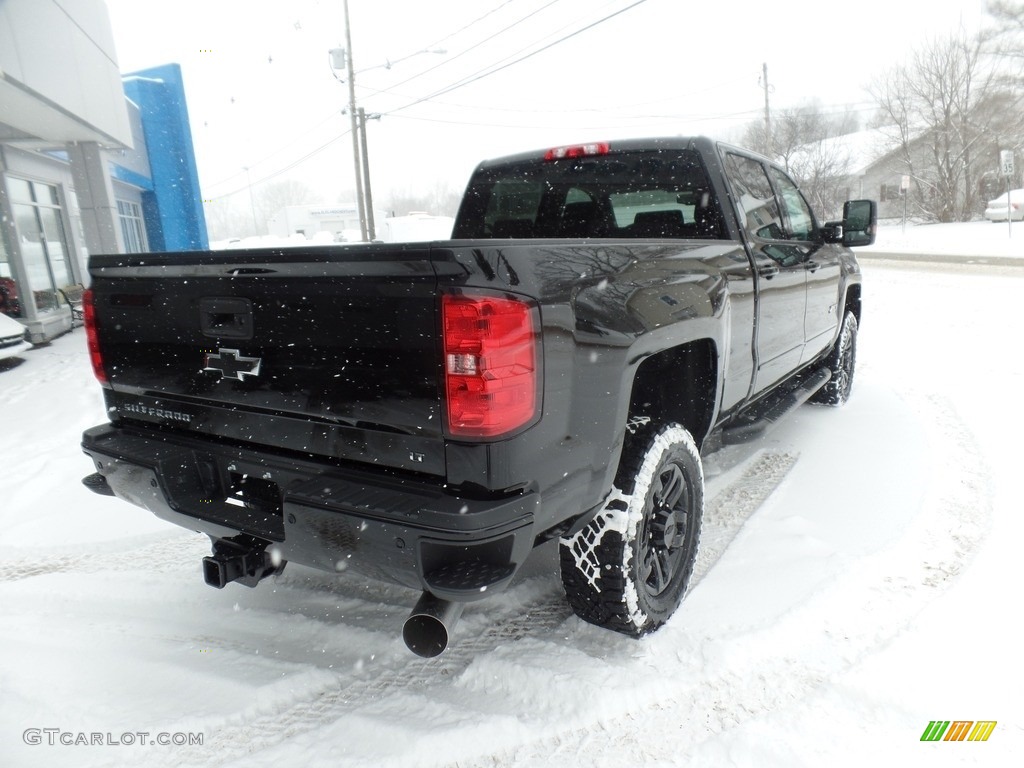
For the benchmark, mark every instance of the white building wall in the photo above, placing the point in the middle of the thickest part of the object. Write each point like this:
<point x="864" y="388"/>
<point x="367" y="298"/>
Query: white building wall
<point x="341" y="220"/>
<point x="59" y="78"/>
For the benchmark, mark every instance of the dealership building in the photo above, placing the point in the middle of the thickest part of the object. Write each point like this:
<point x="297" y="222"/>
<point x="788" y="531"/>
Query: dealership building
<point x="91" y="161"/>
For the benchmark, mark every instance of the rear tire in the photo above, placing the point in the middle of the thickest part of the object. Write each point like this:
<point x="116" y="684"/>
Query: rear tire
<point x="629" y="568"/>
<point x="842" y="361"/>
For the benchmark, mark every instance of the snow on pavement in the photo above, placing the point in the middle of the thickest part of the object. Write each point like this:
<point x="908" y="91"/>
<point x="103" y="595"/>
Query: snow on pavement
<point x="977" y="241"/>
<point x="859" y="578"/>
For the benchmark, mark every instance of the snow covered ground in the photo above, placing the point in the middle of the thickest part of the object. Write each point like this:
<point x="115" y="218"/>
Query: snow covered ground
<point x="979" y="242"/>
<point x="859" y="578"/>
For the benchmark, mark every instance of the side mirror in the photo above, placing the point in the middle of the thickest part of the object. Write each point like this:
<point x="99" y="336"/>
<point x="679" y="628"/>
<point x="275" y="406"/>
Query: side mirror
<point x="860" y="221"/>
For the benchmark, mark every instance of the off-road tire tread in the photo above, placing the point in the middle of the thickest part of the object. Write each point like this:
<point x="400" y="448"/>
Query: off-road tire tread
<point x="605" y="604"/>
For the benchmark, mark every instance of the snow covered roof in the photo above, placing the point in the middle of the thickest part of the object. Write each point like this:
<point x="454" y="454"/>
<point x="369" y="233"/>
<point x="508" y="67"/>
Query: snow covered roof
<point x="862" y="149"/>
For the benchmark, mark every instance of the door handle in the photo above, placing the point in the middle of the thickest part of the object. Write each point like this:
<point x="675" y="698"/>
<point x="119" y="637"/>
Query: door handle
<point x="226" y="318"/>
<point x="768" y="272"/>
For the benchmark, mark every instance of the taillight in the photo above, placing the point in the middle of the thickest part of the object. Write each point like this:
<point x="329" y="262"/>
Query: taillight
<point x="490" y="358"/>
<point x="578" y="150"/>
<point x="95" y="356"/>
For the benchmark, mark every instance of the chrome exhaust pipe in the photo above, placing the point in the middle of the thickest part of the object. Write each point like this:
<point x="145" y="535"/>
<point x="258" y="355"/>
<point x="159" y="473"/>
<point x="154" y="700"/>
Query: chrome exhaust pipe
<point x="429" y="627"/>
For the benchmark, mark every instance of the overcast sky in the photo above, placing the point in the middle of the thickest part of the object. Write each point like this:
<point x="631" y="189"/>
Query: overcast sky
<point x="261" y="92"/>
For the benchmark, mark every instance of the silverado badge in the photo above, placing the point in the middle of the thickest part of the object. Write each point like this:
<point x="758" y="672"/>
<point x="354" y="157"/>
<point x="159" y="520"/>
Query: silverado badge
<point x="230" y="364"/>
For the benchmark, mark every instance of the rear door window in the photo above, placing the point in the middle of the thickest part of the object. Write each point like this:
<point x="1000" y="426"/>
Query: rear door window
<point x="759" y="210"/>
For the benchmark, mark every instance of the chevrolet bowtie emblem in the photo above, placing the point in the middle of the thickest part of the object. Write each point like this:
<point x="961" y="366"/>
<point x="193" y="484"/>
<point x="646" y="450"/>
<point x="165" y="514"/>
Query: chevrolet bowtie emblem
<point x="230" y="364"/>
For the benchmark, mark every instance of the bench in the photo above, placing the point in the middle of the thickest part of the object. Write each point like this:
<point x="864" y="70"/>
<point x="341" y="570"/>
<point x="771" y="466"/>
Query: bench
<point x="73" y="298"/>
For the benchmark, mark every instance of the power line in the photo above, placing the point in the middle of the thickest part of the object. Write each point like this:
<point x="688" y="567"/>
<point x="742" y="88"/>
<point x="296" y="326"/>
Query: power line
<point x="287" y="168"/>
<point x="450" y="59"/>
<point x="654" y="118"/>
<point x="420" y="74"/>
<point x="472" y="79"/>
<point x="521" y="59"/>
<point x="280" y="149"/>
<point x="678" y="96"/>
<point x="533" y="43"/>
<point x="475" y="21"/>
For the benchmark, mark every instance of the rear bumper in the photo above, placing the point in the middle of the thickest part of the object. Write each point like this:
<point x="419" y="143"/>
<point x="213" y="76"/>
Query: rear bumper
<point x="398" y="529"/>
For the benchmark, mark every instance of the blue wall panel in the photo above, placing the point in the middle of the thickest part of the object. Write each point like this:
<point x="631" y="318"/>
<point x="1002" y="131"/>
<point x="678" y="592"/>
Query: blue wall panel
<point x="173" y="210"/>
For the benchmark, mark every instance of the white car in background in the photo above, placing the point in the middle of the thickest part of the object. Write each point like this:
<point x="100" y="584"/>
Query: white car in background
<point x="12" y="337"/>
<point x="997" y="210"/>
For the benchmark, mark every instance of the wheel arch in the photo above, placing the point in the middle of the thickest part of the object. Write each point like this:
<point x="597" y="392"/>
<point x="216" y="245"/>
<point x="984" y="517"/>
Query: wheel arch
<point x="852" y="300"/>
<point x="679" y="384"/>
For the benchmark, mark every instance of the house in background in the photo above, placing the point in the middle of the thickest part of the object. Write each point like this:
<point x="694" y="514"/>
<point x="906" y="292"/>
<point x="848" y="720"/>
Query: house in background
<point x="873" y="164"/>
<point x="909" y="180"/>
<point x="90" y="162"/>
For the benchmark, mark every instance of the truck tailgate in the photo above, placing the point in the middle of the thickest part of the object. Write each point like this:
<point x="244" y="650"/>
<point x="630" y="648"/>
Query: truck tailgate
<point x="331" y="352"/>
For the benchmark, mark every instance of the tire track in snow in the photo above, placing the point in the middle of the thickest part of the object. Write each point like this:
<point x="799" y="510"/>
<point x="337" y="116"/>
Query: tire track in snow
<point x="726" y="513"/>
<point x="780" y="667"/>
<point x="169" y="554"/>
<point x="247" y="733"/>
<point x="534" y="617"/>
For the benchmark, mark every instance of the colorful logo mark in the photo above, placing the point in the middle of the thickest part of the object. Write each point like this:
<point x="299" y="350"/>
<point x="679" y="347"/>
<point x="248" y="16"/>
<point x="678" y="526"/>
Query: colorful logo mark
<point x="958" y="730"/>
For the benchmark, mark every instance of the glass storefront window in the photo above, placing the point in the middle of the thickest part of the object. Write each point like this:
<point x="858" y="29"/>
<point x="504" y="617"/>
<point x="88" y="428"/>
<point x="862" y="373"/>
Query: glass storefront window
<point x="132" y="230"/>
<point x="56" y="248"/>
<point x="19" y="190"/>
<point x="41" y="241"/>
<point x="46" y="194"/>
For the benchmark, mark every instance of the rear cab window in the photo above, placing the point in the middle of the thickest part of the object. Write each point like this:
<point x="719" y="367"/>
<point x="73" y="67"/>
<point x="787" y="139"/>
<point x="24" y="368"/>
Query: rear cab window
<point x="630" y="194"/>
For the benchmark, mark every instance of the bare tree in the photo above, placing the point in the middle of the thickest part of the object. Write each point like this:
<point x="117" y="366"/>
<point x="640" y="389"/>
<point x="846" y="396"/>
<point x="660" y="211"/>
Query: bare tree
<point x="941" y="113"/>
<point x="240" y="215"/>
<point x="805" y="141"/>
<point x="225" y="219"/>
<point x="1005" y="45"/>
<point x="1009" y="19"/>
<point x="795" y="129"/>
<point x="822" y="169"/>
<point x="274" y="197"/>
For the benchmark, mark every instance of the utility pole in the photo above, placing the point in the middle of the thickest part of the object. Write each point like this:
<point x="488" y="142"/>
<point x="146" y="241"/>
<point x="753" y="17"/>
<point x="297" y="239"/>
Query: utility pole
<point x="767" y="111"/>
<point x="370" y="227"/>
<point x="252" y="201"/>
<point x="341" y="58"/>
<point x="354" y="118"/>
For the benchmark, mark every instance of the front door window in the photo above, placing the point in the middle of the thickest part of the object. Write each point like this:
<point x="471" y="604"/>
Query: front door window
<point x="797" y="213"/>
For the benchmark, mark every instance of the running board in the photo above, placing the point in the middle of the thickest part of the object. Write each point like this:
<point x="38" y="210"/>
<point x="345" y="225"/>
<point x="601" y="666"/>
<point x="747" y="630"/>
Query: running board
<point x="762" y="416"/>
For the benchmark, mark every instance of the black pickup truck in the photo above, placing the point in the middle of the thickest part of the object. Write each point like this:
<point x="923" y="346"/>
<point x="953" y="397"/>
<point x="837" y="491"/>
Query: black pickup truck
<point x="429" y="413"/>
